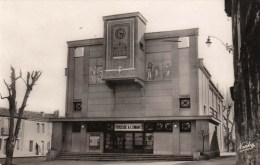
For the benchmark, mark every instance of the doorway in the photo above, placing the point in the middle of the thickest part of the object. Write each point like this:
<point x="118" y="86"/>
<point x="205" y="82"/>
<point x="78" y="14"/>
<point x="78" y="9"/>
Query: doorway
<point x="42" y="147"/>
<point x="127" y="142"/>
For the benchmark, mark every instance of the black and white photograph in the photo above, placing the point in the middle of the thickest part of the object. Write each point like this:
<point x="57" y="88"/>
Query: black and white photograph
<point x="130" y="82"/>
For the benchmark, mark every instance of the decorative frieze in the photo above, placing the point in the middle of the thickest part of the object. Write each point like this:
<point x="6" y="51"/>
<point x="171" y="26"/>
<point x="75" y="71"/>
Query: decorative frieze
<point x="96" y="73"/>
<point x="155" y="71"/>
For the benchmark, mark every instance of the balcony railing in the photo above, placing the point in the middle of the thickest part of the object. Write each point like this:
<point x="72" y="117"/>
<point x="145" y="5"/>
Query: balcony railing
<point x="214" y="113"/>
<point x="4" y="131"/>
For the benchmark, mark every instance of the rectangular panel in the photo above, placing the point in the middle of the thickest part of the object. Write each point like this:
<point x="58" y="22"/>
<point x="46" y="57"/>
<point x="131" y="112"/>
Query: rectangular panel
<point x="184" y="42"/>
<point x="120" y="44"/>
<point x="128" y="141"/>
<point x="184" y="72"/>
<point x="185" y="143"/>
<point x="78" y="82"/>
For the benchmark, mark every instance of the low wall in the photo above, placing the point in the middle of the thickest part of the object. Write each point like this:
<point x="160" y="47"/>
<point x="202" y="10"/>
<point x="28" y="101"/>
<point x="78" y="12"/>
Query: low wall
<point x="52" y="154"/>
<point x="18" y="160"/>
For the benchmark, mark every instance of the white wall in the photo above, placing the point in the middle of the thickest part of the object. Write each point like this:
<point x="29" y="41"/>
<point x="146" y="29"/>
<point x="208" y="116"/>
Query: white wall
<point x="29" y="132"/>
<point x="203" y="94"/>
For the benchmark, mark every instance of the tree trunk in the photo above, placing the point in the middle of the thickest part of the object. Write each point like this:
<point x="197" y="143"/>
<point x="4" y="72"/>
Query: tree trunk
<point x="246" y="40"/>
<point x="10" y="145"/>
<point x="228" y="143"/>
<point x="203" y="146"/>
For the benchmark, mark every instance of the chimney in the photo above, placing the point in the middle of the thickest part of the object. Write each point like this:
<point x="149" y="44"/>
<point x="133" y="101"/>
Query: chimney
<point x="56" y="113"/>
<point x="42" y="113"/>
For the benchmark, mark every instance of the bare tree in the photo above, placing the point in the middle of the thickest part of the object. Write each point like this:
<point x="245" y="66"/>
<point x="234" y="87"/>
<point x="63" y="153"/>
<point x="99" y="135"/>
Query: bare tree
<point x="31" y="79"/>
<point x="228" y="123"/>
<point x="246" y="47"/>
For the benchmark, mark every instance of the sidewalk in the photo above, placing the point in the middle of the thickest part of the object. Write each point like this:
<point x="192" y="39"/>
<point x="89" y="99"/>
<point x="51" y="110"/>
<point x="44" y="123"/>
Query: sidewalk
<point x="226" y="154"/>
<point x="226" y="160"/>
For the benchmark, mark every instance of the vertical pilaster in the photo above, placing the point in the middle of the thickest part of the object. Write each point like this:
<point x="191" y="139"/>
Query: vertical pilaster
<point x="175" y="79"/>
<point x="70" y="83"/>
<point x="85" y="87"/>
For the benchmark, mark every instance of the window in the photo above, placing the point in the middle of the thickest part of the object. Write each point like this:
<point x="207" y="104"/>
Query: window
<point x="5" y="141"/>
<point x="18" y="144"/>
<point x="48" y="146"/>
<point x="7" y="122"/>
<point x="218" y="111"/>
<point x="95" y="127"/>
<point x="76" y="127"/>
<point x="43" y="128"/>
<point x="211" y="98"/>
<point x="149" y="126"/>
<point x="184" y="42"/>
<point x="63" y="138"/>
<point x="163" y="127"/>
<point x="77" y="106"/>
<point x="38" y="127"/>
<point x="79" y="52"/>
<point x="185" y="126"/>
<point x="42" y="148"/>
<point x="0" y="143"/>
<point x="31" y="146"/>
<point x="184" y="102"/>
<point x="159" y="126"/>
<point x="205" y="109"/>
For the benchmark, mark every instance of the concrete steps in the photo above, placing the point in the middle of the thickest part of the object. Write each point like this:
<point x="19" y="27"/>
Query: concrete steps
<point x="120" y="157"/>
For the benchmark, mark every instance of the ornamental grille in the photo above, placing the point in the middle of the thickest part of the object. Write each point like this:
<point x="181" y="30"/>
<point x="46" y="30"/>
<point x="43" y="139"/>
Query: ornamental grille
<point x="184" y="102"/>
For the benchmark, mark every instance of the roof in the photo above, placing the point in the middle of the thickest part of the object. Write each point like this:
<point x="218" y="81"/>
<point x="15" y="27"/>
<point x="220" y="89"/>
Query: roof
<point x="147" y="36"/>
<point x="30" y="115"/>
<point x="126" y="15"/>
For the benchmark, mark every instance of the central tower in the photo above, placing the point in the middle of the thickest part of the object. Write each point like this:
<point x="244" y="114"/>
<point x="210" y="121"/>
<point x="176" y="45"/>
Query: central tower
<point x="124" y="48"/>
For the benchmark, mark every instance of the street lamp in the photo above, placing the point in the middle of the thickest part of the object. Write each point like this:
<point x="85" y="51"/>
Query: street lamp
<point x="228" y="47"/>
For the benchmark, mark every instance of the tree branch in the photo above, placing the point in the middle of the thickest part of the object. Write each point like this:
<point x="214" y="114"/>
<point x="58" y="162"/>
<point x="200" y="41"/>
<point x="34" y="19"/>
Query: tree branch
<point x="3" y="97"/>
<point x="34" y="76"/>
<point x="20" y="76"/>
<point x="8" y="87"/>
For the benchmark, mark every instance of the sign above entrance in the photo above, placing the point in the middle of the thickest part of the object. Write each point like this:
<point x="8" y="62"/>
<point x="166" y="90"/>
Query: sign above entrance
<point x="129" y="127"/>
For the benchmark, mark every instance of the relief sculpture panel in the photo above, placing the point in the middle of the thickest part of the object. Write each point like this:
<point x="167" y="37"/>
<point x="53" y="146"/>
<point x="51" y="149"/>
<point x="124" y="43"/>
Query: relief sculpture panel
<point x="96" y="71"/>
<point x="156" y="71"/>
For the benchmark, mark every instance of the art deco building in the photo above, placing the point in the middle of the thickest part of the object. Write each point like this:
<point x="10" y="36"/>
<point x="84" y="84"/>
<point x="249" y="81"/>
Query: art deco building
<point x="138" y="92"/>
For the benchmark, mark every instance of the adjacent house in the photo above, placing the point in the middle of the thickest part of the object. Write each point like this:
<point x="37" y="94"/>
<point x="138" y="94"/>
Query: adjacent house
<point x="34" y="138"/>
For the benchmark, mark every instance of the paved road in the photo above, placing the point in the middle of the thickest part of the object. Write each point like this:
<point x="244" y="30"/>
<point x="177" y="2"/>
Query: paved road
<point x="218" y="161"/>
<point x="228" y="160"/>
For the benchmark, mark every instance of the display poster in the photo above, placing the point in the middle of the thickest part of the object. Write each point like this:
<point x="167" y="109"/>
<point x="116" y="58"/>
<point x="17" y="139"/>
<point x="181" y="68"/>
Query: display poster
<point x="94" y="141"/>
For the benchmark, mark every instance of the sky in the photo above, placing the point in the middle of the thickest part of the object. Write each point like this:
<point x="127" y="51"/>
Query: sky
<point x="34" y="35"/>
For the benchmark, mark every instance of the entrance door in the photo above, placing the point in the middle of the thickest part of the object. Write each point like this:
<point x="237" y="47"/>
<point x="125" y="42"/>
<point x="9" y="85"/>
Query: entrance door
<point x="117" y="140"/>
<point x="75" y="142"/>
<point x="124" y="142"/>
<point x="128" y="140"/>
<point x="138" y="142"/>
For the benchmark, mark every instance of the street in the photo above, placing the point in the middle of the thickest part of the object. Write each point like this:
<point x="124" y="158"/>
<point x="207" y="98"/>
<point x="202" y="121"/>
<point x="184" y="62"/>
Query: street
<point x="219" y="161"/>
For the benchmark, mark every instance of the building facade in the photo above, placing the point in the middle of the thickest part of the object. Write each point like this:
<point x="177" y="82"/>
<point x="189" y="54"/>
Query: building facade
<point x="138" y="92"/>
<point x="34" y="138"/>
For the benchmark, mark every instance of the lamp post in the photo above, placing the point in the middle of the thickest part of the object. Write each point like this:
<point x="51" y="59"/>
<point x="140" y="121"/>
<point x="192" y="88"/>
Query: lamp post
<point x="228" y="47"/>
